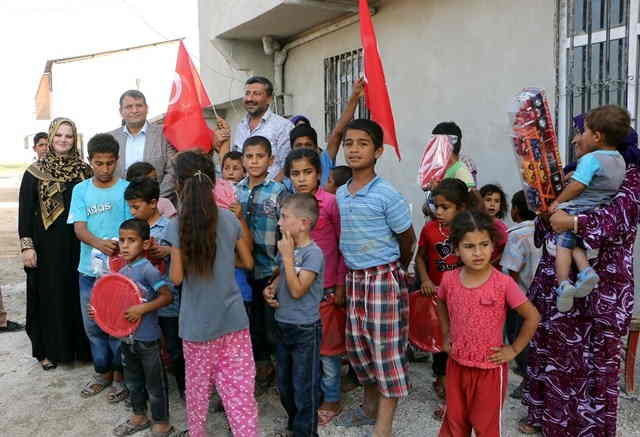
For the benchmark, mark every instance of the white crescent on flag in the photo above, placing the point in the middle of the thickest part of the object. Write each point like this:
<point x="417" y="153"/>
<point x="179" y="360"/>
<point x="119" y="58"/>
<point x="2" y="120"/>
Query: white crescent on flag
<point x="176" y="90"/>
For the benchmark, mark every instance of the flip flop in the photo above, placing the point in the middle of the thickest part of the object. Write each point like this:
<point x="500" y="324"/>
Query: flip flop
<point x="94" y="386"/>
<point x="129" y="428"/>
<point x="118" y="393"/>
<point x="525" y="428"/>
<point x="354" y="417"/>
<point x="326" y="416"/>
<point x="169" y="433"/>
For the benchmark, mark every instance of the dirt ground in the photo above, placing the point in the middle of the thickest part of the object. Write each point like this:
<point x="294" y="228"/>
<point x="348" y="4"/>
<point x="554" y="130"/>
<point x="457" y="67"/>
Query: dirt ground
<point x="36" y="403"/>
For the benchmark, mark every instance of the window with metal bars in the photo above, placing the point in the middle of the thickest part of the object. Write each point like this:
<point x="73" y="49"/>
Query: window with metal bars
<point x="598" y="53"/>
<point x="340" y="72"/>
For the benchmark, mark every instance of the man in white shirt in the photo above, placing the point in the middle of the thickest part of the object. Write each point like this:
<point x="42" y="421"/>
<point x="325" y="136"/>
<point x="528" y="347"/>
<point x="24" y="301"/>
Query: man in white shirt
<point x="258" y="95"/>
<point x="140" y="140"/>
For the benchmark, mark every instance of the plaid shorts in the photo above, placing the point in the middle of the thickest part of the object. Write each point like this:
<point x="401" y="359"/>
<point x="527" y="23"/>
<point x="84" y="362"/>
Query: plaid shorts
<point x="377" y="334"/>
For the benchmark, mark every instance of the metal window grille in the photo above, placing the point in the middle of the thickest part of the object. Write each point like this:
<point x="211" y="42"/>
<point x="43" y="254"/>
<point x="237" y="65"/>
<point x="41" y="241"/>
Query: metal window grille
<point x="339" y="74"/>
<point x="599" y="42"/>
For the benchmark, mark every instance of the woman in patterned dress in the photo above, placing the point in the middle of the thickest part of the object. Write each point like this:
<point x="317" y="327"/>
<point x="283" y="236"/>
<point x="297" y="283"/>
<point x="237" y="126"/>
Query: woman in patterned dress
<point x="571" y="387"/>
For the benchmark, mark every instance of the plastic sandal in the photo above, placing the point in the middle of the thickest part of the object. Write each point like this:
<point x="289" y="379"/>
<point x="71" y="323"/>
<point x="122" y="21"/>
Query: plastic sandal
<point x="129" y="428"/>
<point x="354" y="417"/>
<point x="326" y="416"/>
<point x="118" y="393"/>
<point x="94" y="386"/>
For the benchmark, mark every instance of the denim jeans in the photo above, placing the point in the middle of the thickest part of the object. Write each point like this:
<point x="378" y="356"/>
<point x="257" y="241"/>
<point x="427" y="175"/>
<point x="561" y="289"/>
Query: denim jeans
<point x="104" y="348"/>
<point x="145" y="378"/>
<point x="298" y="375"/>
<point x="331" y="379"/>
<point x="173" y="343"/>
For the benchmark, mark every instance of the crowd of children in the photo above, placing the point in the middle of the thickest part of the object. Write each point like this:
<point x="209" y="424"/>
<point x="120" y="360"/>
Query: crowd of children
<point x="235" y="292"/>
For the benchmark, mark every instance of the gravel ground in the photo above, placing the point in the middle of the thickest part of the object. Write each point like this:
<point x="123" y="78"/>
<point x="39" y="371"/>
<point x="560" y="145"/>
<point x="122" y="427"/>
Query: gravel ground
<point x="36" y="403"/>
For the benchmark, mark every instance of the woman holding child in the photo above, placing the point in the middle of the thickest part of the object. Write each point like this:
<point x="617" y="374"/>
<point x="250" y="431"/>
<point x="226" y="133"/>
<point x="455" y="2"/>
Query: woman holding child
<point x="50" y="249"/>
<point x="574" y="358"/>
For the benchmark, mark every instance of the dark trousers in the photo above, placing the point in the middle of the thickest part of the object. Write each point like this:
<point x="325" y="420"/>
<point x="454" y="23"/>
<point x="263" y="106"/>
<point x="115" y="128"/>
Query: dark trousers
<point x="439" y="365"/>
<point x="298" y="375"/>
<point x="145" y="378"/>
<point x="173" y="343"/>
<point x="261" y="322"/>
<point x="513" y="325"/>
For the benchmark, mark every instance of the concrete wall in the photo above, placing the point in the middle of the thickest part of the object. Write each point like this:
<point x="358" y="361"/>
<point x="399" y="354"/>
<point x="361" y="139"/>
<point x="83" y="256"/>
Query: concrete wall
<point x="460" y="60"/>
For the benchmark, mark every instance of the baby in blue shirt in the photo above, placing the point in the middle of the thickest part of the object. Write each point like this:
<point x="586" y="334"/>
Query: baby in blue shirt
<point x="143" y="368"/>
<point x="597" y="178"/>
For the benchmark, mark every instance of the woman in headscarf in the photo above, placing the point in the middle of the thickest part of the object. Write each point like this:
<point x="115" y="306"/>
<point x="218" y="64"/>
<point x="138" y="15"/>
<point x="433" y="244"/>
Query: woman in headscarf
<point x="50" y="250"/>
<point x="571" y="388"/>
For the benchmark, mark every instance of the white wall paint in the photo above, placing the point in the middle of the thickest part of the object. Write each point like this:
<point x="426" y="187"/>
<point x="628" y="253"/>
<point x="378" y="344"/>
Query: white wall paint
<point x="460" y="60"/>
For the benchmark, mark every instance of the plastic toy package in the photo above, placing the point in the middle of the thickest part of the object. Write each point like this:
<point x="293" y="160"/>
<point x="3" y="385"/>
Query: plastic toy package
<point x="535" y="147"/>
<point x="435" y="158"/>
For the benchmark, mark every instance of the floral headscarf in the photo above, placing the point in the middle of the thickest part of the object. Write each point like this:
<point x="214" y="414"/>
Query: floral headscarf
<point x="54" y="170"/>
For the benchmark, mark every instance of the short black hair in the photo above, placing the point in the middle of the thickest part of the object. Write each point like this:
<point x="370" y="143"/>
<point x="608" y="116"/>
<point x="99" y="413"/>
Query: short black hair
<point x="263" y="81"/>
<point x="520" y="201"/>
<point x="470" y="221"/>
<point x="449" y="128"/>
<point x="134" y="94"/>
<point x="491" y="189"/>
<point x="139" y="170"/>
<point x="141" y="227"/>
<point x="341" y="175"/>
<point x="258" y="140"/>
<point x="302" y="153"/>
<point x="303" y="130"/>
<point x="372" y="128"/>
<point x="145" y="189"/>
<point x="39" y="136"/>
<point x="234" y="155"/>
<point x="103" y="143"/>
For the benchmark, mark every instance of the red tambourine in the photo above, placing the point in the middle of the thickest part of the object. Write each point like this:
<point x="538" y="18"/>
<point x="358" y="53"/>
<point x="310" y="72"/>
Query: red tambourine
<point x="113" y="294"/>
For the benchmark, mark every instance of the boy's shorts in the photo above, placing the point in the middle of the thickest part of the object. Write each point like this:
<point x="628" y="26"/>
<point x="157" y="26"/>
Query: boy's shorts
<point x="377" y="333"/>
<point x="569" y="240"/>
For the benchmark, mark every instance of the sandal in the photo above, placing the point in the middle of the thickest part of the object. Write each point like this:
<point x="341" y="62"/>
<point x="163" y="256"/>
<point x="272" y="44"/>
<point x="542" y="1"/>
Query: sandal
<point x="97" y="384"/>
<point x="129" y="428"/>
<point x="326" y="416"/>
<point x="170" y="433"/>
<point x="118" y="393"/>
<point x="527" y="429"/>
<point x="439" y="412"/>
<point x="48" y="365"/>
<point x="354" y="417"/>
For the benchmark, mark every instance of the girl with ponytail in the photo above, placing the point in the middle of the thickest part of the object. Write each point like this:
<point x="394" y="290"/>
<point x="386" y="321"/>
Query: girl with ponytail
<point x="213" y="322"/>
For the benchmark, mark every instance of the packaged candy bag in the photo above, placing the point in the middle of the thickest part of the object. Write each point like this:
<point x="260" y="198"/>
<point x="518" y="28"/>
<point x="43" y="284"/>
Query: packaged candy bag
<point x="435" y="158"/>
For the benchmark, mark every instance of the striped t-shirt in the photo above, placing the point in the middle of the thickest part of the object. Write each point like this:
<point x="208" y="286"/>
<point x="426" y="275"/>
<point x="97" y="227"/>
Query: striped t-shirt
<point x="370" y="221"/>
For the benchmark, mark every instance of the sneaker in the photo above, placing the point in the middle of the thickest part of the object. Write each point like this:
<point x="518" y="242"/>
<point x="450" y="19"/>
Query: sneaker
<point x="566" y="292"/>
<point x="586" y="282"/>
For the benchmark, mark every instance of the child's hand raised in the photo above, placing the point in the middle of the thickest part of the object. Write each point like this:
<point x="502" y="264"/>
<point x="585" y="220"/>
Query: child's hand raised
<point x="134" y="313"/>
<point x="502" y="354"/>
<point x="156" y="251"/>
<point x="286" y="245"/>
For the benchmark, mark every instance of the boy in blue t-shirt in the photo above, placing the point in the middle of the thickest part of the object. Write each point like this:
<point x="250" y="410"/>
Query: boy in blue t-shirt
<point x="296" y="294"/>
<point x="143" y="369"/>
<point x="142" y="197"/>
<point x="97" y="209"/>
<point x="377" y="242"/>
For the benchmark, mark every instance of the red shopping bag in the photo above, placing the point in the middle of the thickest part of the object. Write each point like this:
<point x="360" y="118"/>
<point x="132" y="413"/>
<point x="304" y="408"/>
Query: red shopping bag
<point x="334" y="322"/>
<point x="424" y="325"/>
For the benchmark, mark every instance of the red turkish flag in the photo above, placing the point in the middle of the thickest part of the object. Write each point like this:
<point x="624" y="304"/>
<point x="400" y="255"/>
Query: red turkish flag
<point x="375" y="89"/>
<point x="184" y="124"/>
